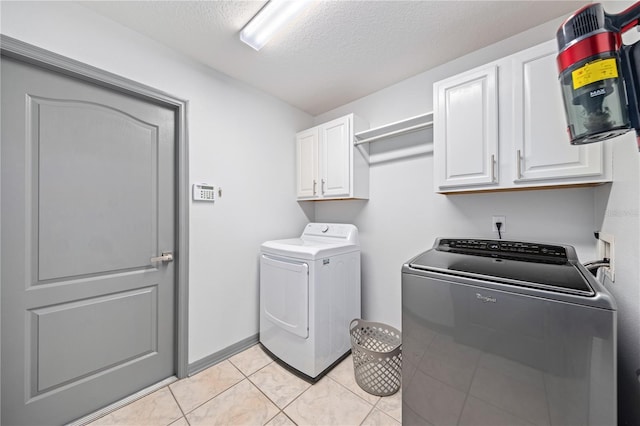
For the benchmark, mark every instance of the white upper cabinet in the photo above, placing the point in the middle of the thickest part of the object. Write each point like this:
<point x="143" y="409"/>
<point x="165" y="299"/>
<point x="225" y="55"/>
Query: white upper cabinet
<point x="542" y="146"/>
<point x="466" y="135"/>
<point x="329" y="166"/>
<point x="502" y="126"/>
<point x="307" y="162"/>
<point x="336" y="146"/>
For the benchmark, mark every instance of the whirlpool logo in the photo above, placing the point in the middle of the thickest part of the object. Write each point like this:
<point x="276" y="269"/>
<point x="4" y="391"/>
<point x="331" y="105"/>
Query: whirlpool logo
<point x="485" y="299"/>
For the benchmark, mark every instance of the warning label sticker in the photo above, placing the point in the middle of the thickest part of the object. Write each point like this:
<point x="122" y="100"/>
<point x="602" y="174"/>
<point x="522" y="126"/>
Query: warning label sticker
<point x="594" y="71"/>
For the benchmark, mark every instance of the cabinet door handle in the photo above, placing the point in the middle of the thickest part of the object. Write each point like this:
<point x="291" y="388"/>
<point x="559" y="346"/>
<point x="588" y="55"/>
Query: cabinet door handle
<point x="493" y="167"/>
<point x="322" y="186"/>
<point x="315" y="183"/>
<point x="519" y="164"/>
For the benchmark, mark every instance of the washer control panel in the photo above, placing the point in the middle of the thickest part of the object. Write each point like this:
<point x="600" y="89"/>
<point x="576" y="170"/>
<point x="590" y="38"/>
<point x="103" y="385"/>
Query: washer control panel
<point x="331" y="231"/>
<point x="504" y="249"/>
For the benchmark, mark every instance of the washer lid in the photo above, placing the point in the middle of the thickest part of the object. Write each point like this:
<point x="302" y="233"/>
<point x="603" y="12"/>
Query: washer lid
<point x="548" y="276"/>
<point x="306" y="249"/>
<point x="537" y="265"/>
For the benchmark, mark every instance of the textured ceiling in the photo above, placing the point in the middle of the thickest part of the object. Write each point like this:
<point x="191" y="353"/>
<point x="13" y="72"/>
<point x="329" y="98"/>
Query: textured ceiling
<point x="335" y="51"/>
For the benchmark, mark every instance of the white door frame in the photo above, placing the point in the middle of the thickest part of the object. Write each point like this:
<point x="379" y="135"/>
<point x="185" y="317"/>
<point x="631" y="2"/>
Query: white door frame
<point x="28" y="53"/>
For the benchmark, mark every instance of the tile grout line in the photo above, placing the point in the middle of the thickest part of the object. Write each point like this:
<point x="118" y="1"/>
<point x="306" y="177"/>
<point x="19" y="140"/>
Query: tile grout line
<point x="373" y="405"/>
<point x="216" y="395"/>
<point x="368" y="414"/>
<point x="184" y="415"/>
<point x="265" y="395"/>
<point x="358" y="396"/>
<point x="280" y="410"/>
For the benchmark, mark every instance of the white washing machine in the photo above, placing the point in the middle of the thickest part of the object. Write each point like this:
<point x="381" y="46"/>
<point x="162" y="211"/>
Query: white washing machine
<point x="309" y="293"/>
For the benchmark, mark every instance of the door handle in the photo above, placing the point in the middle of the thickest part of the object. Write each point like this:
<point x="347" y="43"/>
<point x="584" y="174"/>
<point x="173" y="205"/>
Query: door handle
<point x="167" y="256"/>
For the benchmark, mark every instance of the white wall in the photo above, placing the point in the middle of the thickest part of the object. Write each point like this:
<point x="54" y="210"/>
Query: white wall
<point x="404" y="215"/>
<point x="239" y="138"/>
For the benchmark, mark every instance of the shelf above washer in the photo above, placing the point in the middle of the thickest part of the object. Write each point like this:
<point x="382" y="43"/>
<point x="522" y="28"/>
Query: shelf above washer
<point x="401" y="127"/>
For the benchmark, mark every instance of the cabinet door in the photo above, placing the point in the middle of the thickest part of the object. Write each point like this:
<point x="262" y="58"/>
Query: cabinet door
<point x="542" y="148"/>
<point x="307" y="163"/>
<point x="466" y="129"/>
<point x="335" y="158"/>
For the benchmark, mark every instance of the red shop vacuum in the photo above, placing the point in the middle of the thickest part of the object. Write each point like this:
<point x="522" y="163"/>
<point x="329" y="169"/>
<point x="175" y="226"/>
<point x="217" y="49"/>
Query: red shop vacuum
<point x="599" y="75"/>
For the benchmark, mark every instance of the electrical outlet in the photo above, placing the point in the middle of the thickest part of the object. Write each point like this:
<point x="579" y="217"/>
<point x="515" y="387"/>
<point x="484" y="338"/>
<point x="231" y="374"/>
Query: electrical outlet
<point x="501" y="219"/>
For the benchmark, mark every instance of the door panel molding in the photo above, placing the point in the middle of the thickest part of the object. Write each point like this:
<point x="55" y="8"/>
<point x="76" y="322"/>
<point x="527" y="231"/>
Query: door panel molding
<point x="34" y="55"/>
<point x="137" y="322"/>
<point x="89" y="181"/>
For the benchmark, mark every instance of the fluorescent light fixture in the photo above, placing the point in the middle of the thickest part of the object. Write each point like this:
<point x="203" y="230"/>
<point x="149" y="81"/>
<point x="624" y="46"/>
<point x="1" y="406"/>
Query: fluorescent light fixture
<point x="273" y="16"/>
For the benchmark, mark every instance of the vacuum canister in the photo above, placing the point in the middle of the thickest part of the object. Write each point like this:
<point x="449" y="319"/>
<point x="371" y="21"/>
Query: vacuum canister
<point x="595" y="74"/>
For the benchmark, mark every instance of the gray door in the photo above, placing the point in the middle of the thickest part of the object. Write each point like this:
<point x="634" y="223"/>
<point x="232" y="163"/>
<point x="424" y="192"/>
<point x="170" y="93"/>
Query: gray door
<point x="88" y="193"/>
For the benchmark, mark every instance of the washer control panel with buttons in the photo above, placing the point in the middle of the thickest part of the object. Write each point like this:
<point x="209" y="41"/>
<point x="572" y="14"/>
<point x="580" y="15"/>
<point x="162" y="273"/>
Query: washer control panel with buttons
<point x="338" y="231"/>
<point x="504" y="249"/>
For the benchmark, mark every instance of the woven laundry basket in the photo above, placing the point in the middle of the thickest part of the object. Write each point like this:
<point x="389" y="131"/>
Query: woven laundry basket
<point x="377" y="356"/>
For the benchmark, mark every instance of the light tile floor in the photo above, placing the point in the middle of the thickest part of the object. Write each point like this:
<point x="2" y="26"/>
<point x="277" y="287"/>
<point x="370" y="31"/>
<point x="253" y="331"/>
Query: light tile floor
<point x="252" y="389"/>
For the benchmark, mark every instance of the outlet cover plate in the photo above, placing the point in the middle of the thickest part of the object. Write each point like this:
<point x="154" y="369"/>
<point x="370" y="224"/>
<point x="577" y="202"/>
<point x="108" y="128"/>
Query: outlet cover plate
<point x="606" y="249"/>
<point x="502" y="219"/>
